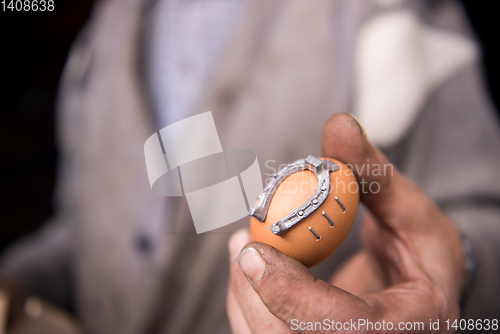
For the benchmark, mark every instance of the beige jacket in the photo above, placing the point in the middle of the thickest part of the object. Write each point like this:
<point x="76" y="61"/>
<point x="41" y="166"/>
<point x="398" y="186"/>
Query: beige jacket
<point x="132" y="260"/>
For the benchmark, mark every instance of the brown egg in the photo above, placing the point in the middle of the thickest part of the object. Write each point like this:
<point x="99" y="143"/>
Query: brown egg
<point x="314" y="238"/>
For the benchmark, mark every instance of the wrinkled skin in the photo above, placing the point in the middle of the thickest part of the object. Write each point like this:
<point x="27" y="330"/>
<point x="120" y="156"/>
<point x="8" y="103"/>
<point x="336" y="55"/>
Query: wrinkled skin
<point x="409" y="269"/>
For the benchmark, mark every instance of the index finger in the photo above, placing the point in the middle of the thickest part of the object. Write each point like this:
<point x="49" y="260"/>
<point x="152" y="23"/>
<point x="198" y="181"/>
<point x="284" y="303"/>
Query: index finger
<point x="391" y="197"/>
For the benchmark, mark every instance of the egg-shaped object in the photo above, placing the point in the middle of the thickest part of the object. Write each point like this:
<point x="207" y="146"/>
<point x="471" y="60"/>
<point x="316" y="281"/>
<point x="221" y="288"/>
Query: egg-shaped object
<point x="307" y="210"/>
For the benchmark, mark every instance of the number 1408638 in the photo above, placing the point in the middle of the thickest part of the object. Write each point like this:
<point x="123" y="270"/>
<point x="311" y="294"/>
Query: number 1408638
<point x="27" y="5"/>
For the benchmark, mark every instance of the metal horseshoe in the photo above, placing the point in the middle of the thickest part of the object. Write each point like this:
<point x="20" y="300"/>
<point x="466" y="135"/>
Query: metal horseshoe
<point x="320" y="168"/>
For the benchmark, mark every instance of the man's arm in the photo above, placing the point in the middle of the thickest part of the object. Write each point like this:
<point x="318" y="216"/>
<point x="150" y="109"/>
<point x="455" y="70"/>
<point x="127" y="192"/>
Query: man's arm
<point x="40" y="264"/>
<point x="452" y="152"/>
<point x="414" y="254"/>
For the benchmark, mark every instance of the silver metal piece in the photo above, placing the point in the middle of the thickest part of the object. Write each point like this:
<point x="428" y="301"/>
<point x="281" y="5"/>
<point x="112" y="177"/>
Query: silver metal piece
<point x="327" y="218"/>
<point x="275" y="229"/>
<point x="315" y="234"/>
<point x="340" y="203"/>
<point x="330" y="165"/>
<point x="321" y="168"/>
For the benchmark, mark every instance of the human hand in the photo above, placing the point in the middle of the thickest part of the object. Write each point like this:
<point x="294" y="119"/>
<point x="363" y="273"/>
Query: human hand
<point x="409" y="271"/>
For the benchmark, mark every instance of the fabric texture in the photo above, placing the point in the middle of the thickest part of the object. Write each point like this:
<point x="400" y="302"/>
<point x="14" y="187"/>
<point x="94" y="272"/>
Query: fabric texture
<point x="185" y="39"/>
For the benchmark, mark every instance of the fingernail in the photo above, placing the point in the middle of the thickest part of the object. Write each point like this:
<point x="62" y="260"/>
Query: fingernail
<point x="238" y="240"/>
<point x="252" y="264"/>
<point x="363" y="131"/>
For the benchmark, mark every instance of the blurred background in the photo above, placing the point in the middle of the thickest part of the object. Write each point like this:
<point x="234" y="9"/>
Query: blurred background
<point x="34" y="47"/>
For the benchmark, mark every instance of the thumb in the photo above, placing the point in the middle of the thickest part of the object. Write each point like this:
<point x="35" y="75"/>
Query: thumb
<point x="290" y="291"/>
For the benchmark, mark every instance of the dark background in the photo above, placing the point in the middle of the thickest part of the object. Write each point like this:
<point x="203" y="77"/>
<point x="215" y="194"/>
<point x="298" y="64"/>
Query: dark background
<point x="34" y="47"/>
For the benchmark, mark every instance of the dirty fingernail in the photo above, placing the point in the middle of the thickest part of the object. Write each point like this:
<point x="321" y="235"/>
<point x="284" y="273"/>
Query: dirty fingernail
<point x="252" y="264"/>
<point x="363" y="131"/>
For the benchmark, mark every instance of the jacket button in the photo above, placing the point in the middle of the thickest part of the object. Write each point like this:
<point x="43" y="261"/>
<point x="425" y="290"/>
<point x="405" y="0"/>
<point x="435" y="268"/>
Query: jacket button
<point x="143" y="243"/>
